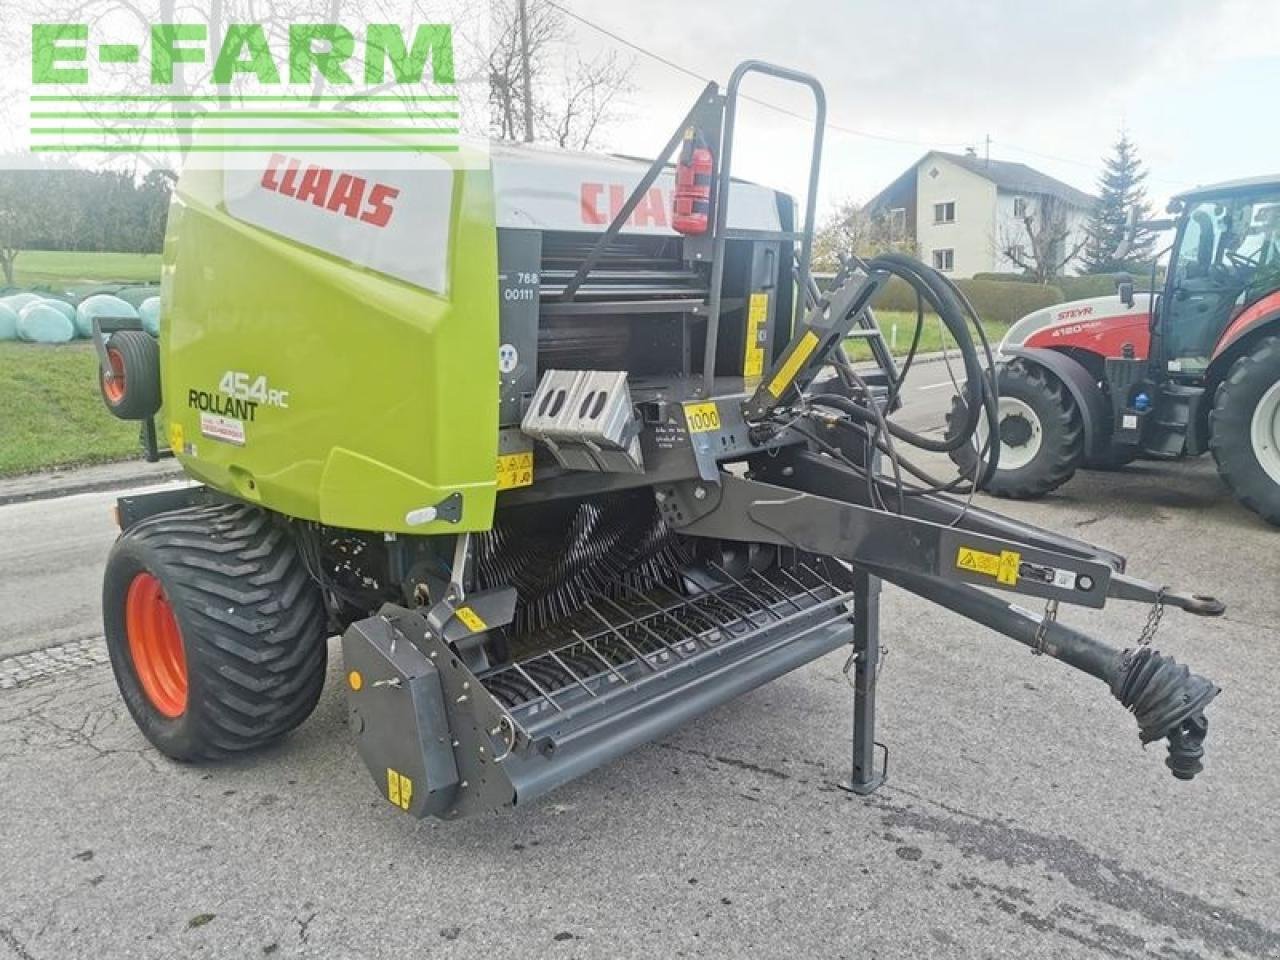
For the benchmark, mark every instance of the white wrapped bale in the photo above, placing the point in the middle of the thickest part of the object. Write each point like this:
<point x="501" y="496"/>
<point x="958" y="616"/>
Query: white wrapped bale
<point x="8" y="322"/>
<point x="101" y="305"/>
<point x="41" y="323"/>
<point x="16" y="301"/>
<point x="64" y="308"/>
<point x="149" y="312"/>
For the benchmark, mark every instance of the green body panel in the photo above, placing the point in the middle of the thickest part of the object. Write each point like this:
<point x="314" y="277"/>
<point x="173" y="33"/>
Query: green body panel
<point x="392" y="390"/>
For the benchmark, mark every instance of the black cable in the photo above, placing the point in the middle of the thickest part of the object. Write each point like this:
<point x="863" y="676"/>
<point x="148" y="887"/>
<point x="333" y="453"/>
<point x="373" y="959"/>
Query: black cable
<point x="978" y="395"/>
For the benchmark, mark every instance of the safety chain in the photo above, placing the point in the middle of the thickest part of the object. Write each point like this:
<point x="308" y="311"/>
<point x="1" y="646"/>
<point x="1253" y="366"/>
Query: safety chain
<point x="1153" y="620"/>
<point x="1042" y="629"/>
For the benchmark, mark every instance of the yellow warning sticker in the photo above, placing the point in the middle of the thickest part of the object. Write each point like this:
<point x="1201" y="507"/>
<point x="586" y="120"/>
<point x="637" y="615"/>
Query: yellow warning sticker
<point x="702" y="417"/>
<point x="176" y="438"/>
<point x="515" y="470"/>
<point x="757" y="316"/>
<point x="1003" y="565"/>
<point x="791" y="366"/>
<point x="399" y="789"/>
<point x="471" y="619"/>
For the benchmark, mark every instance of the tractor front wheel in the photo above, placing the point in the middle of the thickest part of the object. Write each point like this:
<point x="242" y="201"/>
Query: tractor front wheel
<point x="1245" y="430"/>
<point x="215" y="629"/>
<point x="1041" y="434"/>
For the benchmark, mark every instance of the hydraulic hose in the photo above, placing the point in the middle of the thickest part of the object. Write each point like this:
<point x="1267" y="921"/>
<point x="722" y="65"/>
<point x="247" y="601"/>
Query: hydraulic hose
<point x="979" y="391"/>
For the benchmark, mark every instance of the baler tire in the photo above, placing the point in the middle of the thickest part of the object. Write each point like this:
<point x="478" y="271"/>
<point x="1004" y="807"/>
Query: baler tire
<point x="1061" y="449"/>
<point x="1234" y="433"/>
<point x="134" y="391"/>
<point x="248" y="617"/>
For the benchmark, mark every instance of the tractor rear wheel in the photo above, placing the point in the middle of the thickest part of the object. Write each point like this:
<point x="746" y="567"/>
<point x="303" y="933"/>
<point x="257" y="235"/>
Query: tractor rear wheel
<point x="215" y="629"/>
<point x="1244" y="430"/>
<point x="1041" y="434"/>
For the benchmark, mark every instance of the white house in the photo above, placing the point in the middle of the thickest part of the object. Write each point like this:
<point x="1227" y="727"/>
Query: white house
<point x="962" y="212"/>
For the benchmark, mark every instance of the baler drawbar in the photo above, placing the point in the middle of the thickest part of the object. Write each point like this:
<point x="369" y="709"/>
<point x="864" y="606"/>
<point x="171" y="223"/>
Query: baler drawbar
<point x="676" y="488"/>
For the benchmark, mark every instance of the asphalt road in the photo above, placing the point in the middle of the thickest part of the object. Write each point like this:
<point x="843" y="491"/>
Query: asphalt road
<point x="1021" y="817"/>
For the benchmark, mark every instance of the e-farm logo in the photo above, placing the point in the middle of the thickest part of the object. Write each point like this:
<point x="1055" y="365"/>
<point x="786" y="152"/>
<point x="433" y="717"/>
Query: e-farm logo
<point x="237" y="87"/>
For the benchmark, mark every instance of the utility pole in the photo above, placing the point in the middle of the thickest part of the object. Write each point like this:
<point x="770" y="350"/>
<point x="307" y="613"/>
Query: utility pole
<point x="524" y="70"/>
<point x="988" y="149"/>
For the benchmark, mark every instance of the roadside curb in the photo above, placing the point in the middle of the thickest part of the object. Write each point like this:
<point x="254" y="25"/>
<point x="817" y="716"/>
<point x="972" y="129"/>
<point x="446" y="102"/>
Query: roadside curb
<point x="49" y="485"/>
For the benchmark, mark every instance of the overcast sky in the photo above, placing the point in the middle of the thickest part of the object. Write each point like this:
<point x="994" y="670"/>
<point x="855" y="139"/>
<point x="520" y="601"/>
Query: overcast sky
<point x="1195" y="82"/>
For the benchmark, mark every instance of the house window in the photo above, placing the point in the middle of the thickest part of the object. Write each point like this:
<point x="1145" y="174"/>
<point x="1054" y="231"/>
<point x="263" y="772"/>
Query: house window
<point x="1019" y="207"/>
<point x="897" y="223"/>
<point x="944" y="212"/>
<point x="944" y="260"/>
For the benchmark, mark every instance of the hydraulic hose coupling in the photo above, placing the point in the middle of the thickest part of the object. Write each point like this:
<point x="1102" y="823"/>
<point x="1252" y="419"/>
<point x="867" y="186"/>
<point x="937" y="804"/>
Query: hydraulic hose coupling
<point x="1168" y="701"/>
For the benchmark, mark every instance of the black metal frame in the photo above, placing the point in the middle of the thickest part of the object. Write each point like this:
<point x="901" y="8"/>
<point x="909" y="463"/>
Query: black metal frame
<point x="724" y="109"/>
<point x="864" y="778"/>
<point x="722" y="234"/>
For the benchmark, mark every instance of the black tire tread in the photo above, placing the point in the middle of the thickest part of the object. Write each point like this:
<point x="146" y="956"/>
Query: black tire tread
<point x="252" y="620"/>
<point x="1050" y="472"/>
<point x="141" y="356"/>
<point x="1229" y="430"/>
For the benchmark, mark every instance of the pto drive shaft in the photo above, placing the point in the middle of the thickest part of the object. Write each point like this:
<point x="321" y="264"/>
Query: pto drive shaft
<point x="1167" y="699"/>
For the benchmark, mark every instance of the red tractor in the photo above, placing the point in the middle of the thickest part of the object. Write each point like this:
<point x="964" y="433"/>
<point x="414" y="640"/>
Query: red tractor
<point x="1192" y="368"/>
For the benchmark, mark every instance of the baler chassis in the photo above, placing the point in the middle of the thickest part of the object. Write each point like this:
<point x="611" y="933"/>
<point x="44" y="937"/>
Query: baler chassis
<point x="687" y="526"/>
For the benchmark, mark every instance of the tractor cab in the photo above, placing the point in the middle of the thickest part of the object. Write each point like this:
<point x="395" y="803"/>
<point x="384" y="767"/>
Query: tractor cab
<point x="1192" y="369"/>
<point x="1225" y="259"/>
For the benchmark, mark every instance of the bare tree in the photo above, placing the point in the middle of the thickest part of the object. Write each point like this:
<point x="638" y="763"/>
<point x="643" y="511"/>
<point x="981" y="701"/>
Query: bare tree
<point x="574" y="98"/>
<point x="1041" y="244"/>
<point x="850" y="229"/>
<point x="17" y="219"/>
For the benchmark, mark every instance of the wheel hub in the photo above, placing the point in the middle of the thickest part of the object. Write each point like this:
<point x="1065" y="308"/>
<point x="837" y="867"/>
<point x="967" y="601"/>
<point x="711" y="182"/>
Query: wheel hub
<point x="1015" y="431"/>
<point x="1264" y="432"/>
<point x="1021" y="433"/>
<point x="155" y="646"/>
<point x="113" y="379"/>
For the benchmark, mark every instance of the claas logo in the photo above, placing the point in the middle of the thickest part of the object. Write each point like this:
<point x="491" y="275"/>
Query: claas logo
<point x="601" y="202"/>
<point x="345" y="193"/>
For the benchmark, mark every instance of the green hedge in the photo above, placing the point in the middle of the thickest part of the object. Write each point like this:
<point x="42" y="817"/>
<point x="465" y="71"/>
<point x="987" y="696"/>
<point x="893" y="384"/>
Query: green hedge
<point x="1078" y="288"/>
<point x="998" y="301"/>
<point x="1073" y="288"/>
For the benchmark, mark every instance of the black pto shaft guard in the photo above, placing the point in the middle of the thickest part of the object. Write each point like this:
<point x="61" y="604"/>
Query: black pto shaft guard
<point x="1168" y="701"/>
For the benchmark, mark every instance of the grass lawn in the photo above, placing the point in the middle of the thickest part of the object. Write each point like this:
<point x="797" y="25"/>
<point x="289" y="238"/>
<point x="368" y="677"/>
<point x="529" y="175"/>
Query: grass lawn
<point x="54" y="415"/>
<point x="59" y="268"/>
<point x="930" y="338"/>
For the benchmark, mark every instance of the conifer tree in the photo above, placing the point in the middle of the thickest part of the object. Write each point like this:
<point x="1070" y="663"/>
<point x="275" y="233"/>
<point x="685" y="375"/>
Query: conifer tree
<point x="1120" y="189"/>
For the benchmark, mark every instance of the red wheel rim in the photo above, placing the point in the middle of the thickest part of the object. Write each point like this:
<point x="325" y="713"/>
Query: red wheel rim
<point x="155" y="645"/>
<point x="113" y="382"/>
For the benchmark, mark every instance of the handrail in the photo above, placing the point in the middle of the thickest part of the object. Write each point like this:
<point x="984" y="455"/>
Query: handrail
<point x="722" y="199"/>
